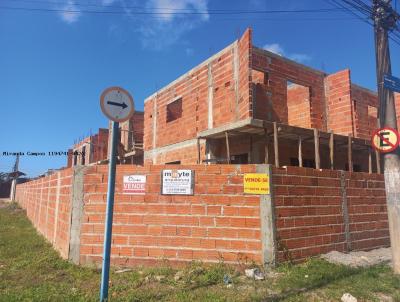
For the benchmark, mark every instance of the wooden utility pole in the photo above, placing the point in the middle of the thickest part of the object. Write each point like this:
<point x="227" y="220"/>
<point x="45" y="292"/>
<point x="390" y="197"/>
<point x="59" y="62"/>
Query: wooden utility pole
<point x="228" y="153"/>
<point x="385" y="19"/>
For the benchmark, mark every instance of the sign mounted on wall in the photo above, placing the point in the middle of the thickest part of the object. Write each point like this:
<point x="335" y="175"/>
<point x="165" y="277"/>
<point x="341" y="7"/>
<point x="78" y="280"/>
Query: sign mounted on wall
<point x="256" y="183"/>
<point x="134" y="184"/>
<point x="177" y="182"/>
<point x="385" y="139"/>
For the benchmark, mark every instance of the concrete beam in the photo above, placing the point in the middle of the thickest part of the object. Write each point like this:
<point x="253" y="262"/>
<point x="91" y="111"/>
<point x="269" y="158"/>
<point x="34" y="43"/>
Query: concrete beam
<point x="153" y="152"/>
<point x="275" y="56"/>
<point x="154" y="123"/>
<point x="232" y="126"/>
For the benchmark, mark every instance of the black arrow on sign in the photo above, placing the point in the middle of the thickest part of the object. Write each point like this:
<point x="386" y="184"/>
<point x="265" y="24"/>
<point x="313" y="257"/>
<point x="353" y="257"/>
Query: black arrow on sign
<point x="123" y="105"/>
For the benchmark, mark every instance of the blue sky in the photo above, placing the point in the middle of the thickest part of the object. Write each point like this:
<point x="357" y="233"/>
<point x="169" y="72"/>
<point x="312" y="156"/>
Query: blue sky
<point x="54" y="64"/>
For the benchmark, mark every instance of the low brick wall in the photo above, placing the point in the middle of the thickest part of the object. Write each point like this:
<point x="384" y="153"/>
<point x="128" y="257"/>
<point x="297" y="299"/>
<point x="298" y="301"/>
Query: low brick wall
<point x="218" y="222"/>
<point x="316" y="211"/>
<point x="47" y="202"/>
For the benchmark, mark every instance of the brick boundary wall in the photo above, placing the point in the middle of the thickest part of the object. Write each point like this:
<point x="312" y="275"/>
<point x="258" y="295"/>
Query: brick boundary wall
<point x="311" y="212"/>
<point x="218" y="222"/>
<point x="47" y="203"/>
<point x="318" y="211"/>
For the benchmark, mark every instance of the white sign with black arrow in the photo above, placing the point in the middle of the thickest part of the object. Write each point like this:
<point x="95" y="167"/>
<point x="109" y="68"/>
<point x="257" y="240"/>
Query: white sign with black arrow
<point x="117" y="104"/>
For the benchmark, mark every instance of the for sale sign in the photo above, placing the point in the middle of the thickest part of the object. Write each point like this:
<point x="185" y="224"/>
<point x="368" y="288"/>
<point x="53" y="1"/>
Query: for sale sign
<point x="177" y="182"/>
<point x="134" y="184"/>
<point x="256" y="183"/>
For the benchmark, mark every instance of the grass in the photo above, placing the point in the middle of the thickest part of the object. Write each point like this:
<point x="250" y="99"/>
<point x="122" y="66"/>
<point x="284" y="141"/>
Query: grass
<point x="30" y="270"/>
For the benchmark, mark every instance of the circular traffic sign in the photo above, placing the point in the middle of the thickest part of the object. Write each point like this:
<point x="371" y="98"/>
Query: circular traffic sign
<point x="117" y="104"/>
<point x="385" y="139"/>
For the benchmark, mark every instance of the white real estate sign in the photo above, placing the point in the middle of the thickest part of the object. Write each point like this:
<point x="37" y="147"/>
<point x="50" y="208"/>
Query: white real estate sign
<point x="177" y="182"/>
<point x="134" y="184"/>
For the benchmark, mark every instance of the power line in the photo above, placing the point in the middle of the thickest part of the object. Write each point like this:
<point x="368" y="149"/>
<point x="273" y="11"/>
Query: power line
<point x="366" y="11"/>
<point x="79" y="11"/>
<point x="167" y="10"/>
<point x="336" y="3"/>
<point x="133" y="13"/>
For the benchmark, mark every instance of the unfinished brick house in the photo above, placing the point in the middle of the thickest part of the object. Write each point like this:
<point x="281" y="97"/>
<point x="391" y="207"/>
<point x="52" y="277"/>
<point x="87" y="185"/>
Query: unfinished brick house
<point x="248" y="105"/>
<point x="96" y="147"/>
<point x="91" y="149"/>
<point x="130" y="149"/>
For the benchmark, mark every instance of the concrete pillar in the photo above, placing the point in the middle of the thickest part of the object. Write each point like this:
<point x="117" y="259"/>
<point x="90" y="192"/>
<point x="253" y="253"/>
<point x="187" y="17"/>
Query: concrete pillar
<point x="268" y="225"/>
<point x="76" y="214"/>
<point x="57" y="207"/>
<point x="210" y="97"/>
<point x="345" y="210"/>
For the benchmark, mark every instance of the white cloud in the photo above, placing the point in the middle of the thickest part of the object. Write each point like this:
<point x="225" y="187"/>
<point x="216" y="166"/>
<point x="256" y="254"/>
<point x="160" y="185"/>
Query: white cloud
<point x="278" y="49"/>
<point x="168" y="9"/>
<point x="275" y="48"/>
<point x="172" y="19"/>
<point x="168" y="27"/>
<point x="70" y="12"/>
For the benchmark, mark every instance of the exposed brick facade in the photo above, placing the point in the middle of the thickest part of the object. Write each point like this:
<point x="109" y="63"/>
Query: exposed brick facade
<point x="130" y="148"/>
<point x="243" y="83"/>
<point x="218" y="221"/>
<point x="339" y="104"/>
<point x="89" y="150"/>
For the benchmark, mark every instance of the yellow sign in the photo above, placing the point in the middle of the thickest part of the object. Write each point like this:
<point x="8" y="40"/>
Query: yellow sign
<point x="256" y="183"/>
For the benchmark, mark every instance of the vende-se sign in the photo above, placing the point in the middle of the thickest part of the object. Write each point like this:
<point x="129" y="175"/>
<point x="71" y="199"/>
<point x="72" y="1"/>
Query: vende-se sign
<point x="256" y="183"/>
<point x="177" y="182"/>
<point x="134" y="184"/>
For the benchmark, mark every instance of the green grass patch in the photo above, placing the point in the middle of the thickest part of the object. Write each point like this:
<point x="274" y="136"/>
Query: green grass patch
<point x="30" y="270"/>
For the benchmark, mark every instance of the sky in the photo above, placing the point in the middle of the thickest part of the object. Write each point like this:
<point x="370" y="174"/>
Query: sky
<point x="57" y="56"/>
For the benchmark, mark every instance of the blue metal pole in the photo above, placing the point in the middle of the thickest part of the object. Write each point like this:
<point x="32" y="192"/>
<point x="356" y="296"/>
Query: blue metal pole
<point x="109" y="214"/>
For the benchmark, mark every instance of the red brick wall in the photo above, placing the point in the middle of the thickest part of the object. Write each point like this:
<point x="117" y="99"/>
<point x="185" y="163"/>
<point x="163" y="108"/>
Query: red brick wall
<point x="339" y="104"/>
<point x="274" y="93"/>
<point x="309" y="214"/>
<point x="100" y="145"/>
<point x="365" y="119"/>
<point x="218" y="222"/>
<point x="367" y="210"/>
<point x="95" y="148"/>
<point x="47" y="202"/>
<point x="298" y="102"/>
<point x="230" y="101"/>
<point x="69" y="158"/>
<point x="136" y="125"/>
